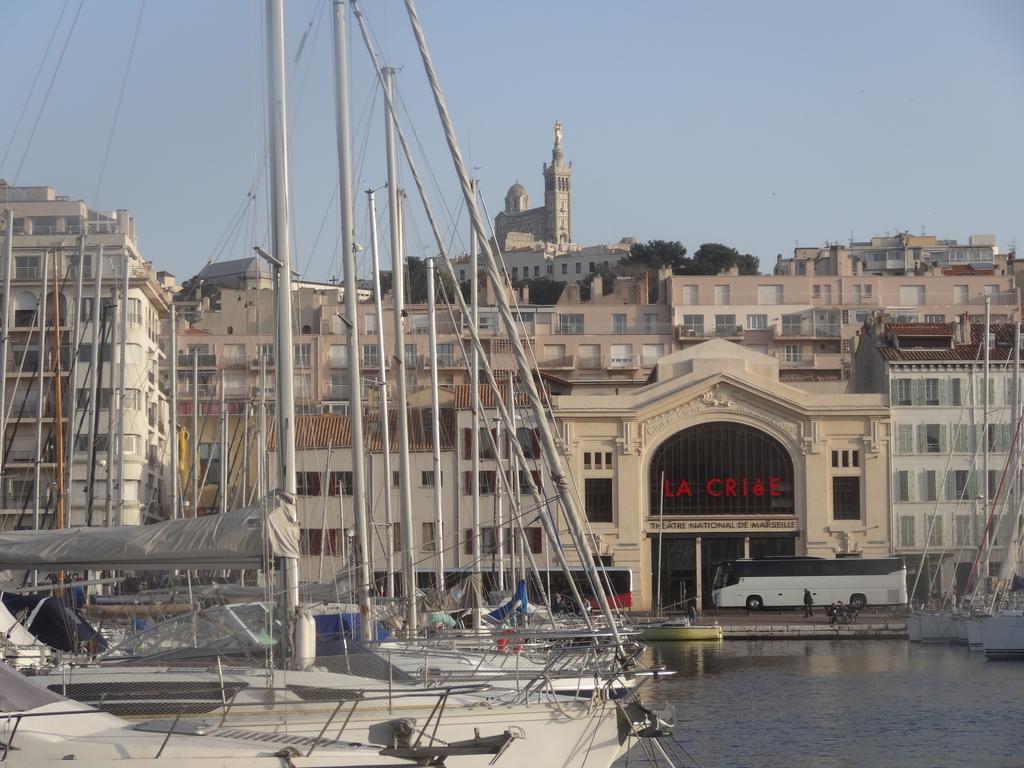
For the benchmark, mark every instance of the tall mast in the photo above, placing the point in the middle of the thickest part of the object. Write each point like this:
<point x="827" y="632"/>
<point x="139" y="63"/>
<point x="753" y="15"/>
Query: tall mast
<point x="348" y="247"/>
<point x="95" y="375"/>
<point x="58" y="421"/>
<point x="75" y="377"/>
<point x="195" y="432"/>
<point x="385" y="429"/>
<point x="435" y="419"/>
<point x="6" y="322"/>
<point x="474" y="410"/>
<point x="116" y="308"/>
<point x="40" y="389"/>
<point x="401" y="412"/>
<point x="547" y="440"/>
<point x="122" y="397"/>
<point x="499" y="516"/>
<point x="985" y="441"/>
<point x="261" y="474"/>
<point x="173" y="353"/>
<point x="280" y="229"/>
<point x="224" y="454"/>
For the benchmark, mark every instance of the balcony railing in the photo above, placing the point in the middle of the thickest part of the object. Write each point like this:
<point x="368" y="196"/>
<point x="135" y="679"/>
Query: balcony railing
<point x="685" y="333"/>
<point x="204" y="360"/>
<point x="339" y="392"/>
<point x="234" y="361"/>
<point x="560" y="362"/>
<point x="622" y="362"/>
<point x="808" y="330"/>
<point x="810" y="360"/>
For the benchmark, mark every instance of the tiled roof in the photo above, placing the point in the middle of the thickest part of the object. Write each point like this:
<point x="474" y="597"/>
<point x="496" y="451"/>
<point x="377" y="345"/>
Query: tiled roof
<point x="1001" y="350"/>
<point x="319" y="432"/>
<point x="919" y="329"/>
<point x="464" y="393"/>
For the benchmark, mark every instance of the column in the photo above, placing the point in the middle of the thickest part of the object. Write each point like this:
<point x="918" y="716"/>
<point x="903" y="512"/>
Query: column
<point x="698" y="595"/>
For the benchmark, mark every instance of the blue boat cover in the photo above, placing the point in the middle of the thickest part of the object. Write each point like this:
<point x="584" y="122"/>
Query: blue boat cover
<point x="332" y="629"/>
<point x="518" y="599"/>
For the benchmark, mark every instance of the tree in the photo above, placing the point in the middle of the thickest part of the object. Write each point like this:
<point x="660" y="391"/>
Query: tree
<point x="713" y="258"/>
<point x="657" y="253"/>
<point x="543" y="290"/>
<point x="416" y="281"/>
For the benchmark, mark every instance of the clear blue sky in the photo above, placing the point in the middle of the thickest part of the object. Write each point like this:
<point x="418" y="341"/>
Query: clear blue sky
<point x="754" y="124"/>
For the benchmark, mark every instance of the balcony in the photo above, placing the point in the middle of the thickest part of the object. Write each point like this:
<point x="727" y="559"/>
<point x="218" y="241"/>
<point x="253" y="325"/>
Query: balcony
<point x="339" y="392"/>
<point x="234" y="361"/>
<point x="557" y="362"/>
<point x="811" y="360"/>
<point x="338" y="362"/>
<point x="204" y="360"/>
<point x="622" y="362"/>
<point x="807" y="329"/>
<point x="443" y="361"/>
<point x="639" y="329"/>
<point x="686" y="333"/>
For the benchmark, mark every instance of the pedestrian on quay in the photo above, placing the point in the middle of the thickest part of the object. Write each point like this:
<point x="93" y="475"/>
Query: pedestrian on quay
<point x="808" y="604"/>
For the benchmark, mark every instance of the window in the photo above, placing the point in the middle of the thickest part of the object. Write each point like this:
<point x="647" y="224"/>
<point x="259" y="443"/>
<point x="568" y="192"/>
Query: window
<point x="901" y="392"/>
<point x="690" y="294"/>
<point x="929" y="487"/>
<point x="88" y="308"/>
<point x="427" y="478"/>
<point x="396" y="479"/>
<point x="429" y="537"/>
<point x="963" y="531"/>
<point x="958" y="481"/>
<point x="931" y="391"/>
<point x="312" y="541"/>
<point x="791" y="353"/>
<point x="515" y="271"/>
<point x="693" y="325"/>
<point x="934" y="438"/>
<point x="618" y="324"/>
<point x="26" y="268"/>
<point x="961" y="294"/>
<point x="565" y="268"/>
<point x="579" y="268"/>
<point x="757" y="322"/>
<point x="588" y="460"/>
<point x="536" y="270"/>
<point x="902" y="485"/>
<point x="846" y="498"/>
<point x="370" y="359"/>
<point x="598" y="493"/>
<point x="935" y="532"/>
<point x="303" y="356"/>
<point x="912" y="295"/>
<point x="906" y="531"/>
<point x="725" y="325"/>
<point x="307" y="483"/>
<point x="649" y="355"/>
<point x="722" y="295"/>
<point x="303" y="383"/>
<point x="791" y="325"/>
<point x="340" y="480"/>
<point x="570" y="324"/>
<point x="769" y="294"/>
<point x="956" y="395"/>
<point x="935" y="318"/>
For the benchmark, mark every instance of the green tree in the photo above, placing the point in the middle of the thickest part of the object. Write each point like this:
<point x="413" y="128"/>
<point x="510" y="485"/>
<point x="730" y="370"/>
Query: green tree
<point x="658" y="253"/>
<point x="712" y="258"/>
<point x="543" y="290"/>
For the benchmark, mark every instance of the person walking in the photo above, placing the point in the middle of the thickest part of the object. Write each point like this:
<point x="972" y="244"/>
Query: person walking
<point x="808" y="604"/>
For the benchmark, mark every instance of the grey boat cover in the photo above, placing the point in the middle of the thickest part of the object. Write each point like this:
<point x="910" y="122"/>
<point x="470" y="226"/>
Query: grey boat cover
<point x="242" y="538"/>
<point x="19" y="694"/>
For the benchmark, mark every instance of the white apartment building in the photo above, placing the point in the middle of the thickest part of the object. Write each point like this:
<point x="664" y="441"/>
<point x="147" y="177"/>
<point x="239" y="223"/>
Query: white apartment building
<point x="934" y="375"/>
<point x="49" y="232"/>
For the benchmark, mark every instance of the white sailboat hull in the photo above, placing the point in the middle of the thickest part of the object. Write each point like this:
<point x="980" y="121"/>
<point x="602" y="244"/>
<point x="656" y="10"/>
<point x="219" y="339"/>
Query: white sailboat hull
<point x="1002" y="637"/>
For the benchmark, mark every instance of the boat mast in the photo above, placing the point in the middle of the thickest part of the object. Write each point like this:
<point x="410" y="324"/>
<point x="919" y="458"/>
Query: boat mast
<point x="95" y="374"/>
<point x="401" y="412"/>
<point x="382" y="387"/>
<point x="547" y="440"/>
<point x="40" y="391"/>
<point x="122" y="397"/>
<point x="75" y="376"/>
<point x="58" y="421"/>
<point x="174" y="410"/>
<point x="116" y="308"/>
<point x="474" y="411"/>
<point x="6" y="333"/>
<point x="435" y="431"/>
<point x="195" y="432"/>
<point x="985" y="440"/>
<point x="224" y="455"/>
<point x="280" y="231"/>
<point x="348" y="246"/>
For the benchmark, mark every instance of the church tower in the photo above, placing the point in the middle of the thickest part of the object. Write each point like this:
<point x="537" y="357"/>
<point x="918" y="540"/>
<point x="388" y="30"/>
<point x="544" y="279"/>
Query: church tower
<point x="558" y="196"/>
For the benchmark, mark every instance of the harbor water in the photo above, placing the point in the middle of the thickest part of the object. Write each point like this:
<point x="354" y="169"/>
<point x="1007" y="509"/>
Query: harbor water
<point x="826" y="704"/>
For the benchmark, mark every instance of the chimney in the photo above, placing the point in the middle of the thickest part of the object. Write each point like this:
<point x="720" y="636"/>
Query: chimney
<point x="596" y="287"/>
<point x="571" y="294"/>
<point x="962" y="329"/>
<point x="524" y="293"/>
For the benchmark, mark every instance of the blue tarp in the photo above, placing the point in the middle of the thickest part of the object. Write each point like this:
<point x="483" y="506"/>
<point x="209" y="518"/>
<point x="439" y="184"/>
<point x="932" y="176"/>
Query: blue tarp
<point x="518" y="599"/>
<point x="329" y="629"/>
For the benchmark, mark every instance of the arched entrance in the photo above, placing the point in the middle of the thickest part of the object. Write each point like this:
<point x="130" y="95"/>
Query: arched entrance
<point x="718" y="491"/>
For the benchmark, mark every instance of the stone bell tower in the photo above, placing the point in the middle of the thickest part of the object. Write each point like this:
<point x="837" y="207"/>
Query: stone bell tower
<point x="558" y="196"/>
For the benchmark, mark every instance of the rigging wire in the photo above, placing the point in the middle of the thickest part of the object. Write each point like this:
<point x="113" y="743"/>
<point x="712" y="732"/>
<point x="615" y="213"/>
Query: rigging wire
<point x="46" y="96"/>
<point x="117" y="109"/>
<point x="32" y="87"/>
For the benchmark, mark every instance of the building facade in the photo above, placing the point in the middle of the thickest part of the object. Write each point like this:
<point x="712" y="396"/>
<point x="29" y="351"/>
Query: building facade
<point x="49" y="234"/>
<point x="952" y="470"/>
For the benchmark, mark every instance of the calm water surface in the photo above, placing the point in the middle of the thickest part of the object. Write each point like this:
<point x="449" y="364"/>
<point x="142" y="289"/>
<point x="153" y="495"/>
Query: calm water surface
<point x="796" y="704"/>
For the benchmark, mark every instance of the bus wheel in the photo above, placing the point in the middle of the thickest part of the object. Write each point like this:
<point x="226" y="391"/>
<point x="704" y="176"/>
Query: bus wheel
<point x="754" y="603"/>
<point x="858" y="602"/>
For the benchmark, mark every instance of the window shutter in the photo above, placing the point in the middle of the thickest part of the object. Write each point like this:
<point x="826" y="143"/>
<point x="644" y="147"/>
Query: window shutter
<point x="467" y="436"/>
<point x="468" y="480"/>
<point x="943" y="438"/>
<point x="922" y="434"/>
<point x="911" y="495"/>
<point x="534" y="444"/>
<point x="535" y="474"/>
<point x="894" y="391"/>
<point x="469" y="541"/>
<point x="536" y="540"/>
<point x="972" y="486"/>
<point x="960" y="439"/>
<point x="917" y="392"/>
<point x="950" y="487"/>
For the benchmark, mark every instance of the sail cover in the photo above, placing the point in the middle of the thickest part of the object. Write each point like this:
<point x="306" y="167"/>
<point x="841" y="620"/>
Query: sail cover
<point x="242" y="538"/>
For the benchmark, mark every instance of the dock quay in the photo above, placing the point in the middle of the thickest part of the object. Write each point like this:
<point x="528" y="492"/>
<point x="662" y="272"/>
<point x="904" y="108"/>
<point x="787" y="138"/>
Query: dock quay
<point x="792" y="625"/>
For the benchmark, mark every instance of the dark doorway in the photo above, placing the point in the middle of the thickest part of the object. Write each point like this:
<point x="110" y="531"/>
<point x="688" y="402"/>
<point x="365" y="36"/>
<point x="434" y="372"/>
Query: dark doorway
<point x="678" y="571"/>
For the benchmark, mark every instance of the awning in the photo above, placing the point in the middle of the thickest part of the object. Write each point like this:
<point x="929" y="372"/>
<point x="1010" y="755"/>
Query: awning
<point x="243" y="538"/>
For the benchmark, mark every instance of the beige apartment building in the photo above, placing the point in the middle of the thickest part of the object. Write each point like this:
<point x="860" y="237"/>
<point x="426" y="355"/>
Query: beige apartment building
<point x="900" y="254"/>
<point x="49" y="231"/>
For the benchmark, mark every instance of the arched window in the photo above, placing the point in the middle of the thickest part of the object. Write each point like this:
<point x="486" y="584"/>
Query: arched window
<point x="25" y="304"/>
<point x="721" y="468"/>
<point x="306" y="330"/>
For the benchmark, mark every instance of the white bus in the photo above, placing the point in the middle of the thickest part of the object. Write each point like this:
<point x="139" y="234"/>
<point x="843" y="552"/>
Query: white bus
<point x="777" y="582"/>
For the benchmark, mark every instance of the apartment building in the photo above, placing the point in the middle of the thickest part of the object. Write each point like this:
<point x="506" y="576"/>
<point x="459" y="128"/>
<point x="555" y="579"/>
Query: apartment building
<point x="56" y="241"/>
<point x="807" y="321"/>
<point x="948" y="471"/>
<point x="900" y="254"/>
